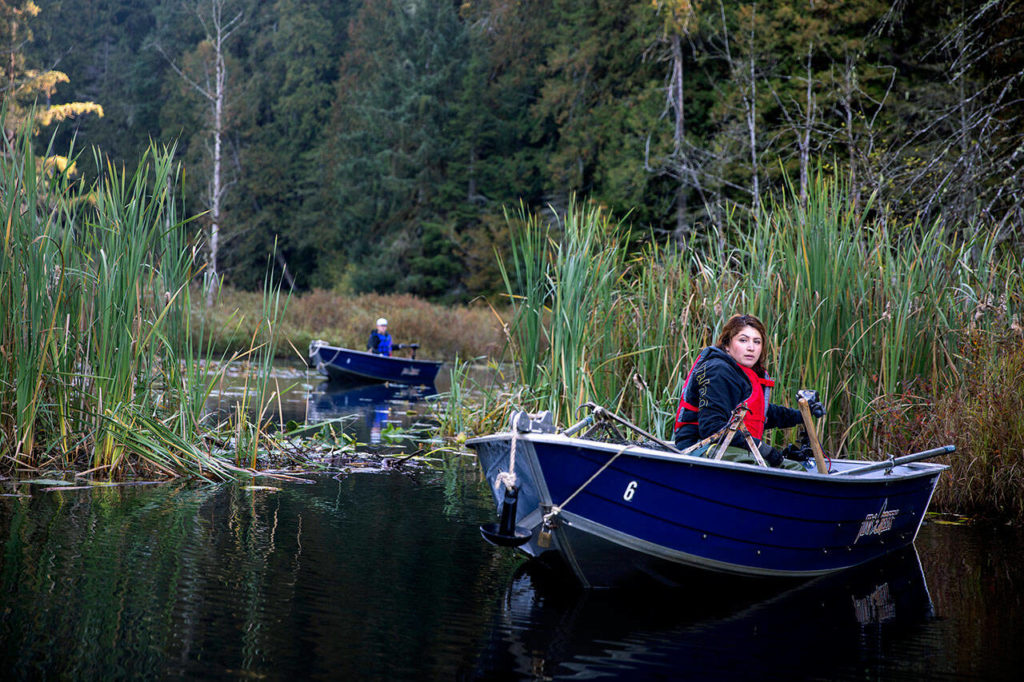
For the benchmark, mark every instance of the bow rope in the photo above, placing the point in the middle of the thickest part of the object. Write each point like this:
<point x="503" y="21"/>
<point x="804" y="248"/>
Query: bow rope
<point x="509" y="477"/>
<point x="557" y="509"/>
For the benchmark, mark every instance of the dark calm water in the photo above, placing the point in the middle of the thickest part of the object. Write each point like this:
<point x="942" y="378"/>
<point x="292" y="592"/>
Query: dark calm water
<point x="383" y="576"/>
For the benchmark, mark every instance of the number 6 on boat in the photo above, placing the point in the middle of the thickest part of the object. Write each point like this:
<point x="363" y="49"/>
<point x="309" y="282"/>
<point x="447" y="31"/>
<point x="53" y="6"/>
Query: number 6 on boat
<point x="630" y="491"/>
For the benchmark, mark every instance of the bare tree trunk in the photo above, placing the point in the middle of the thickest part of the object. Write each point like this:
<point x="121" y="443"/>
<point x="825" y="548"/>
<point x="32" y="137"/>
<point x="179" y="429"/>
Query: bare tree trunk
<point x="217" y="186"/>
<point x="805" y="134"/>
<point x="848" y="93"/>
<point x="743" y="70"/>
<point x="965" y="193"/>
<point x="750" y="105"/>
<point x="675" y="95"/>
<point x="212" y="87"/>
<point x="11" y="61"/>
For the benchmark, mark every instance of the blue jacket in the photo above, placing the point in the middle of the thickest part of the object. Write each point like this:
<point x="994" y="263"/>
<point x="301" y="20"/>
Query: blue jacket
<point x="379" y="343"/>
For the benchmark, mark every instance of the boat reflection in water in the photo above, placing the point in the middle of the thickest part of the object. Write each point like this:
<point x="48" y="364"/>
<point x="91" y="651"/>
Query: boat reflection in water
<point x="373" y="406"/>
<point x="859" y="623"/>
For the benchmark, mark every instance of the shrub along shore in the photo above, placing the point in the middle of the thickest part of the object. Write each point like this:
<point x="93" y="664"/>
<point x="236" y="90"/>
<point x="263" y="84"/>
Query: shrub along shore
<point x="443" y="332"/>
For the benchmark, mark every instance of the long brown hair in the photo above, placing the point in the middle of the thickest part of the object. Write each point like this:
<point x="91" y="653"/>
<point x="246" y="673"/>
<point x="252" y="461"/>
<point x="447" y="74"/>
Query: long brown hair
<point x="733" y="326"/>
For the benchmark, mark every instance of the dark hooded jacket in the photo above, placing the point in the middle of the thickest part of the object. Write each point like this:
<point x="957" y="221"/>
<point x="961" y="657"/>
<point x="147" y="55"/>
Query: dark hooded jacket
<point x="717" y="385"/>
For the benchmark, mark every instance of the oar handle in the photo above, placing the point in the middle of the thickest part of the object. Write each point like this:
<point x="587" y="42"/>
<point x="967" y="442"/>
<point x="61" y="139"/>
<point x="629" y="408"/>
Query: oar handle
<point x="586" y="421"/>
<point x="812" y="435"/>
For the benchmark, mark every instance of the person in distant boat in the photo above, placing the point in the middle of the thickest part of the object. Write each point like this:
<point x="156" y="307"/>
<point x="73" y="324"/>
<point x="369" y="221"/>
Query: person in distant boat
<point x="380" y="341"/>
<point x="727" y="374"/>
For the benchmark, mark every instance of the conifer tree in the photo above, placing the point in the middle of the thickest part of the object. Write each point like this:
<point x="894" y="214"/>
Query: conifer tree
<point x="392" y="144"/>
<point x="283" y="118"/>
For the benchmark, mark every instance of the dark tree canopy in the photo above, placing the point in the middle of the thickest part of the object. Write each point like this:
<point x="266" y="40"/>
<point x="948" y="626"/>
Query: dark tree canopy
<point x="375" y="145"/>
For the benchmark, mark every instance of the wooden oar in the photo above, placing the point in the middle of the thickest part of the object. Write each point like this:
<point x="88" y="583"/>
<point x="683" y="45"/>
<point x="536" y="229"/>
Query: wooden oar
<point x="812" y="435"/>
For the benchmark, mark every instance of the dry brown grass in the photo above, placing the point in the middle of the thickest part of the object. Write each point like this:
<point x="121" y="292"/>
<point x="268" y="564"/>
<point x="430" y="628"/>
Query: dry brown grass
<point x="981" y="411"/>
<point x="442" y="331"/>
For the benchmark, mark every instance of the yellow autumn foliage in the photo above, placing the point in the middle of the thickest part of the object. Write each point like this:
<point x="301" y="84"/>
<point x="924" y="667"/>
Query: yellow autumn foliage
<point x="21" y="98"/>
<point x="45" y="82"/>
<point x="59" y="164"/>
<point x="59" y="112"/>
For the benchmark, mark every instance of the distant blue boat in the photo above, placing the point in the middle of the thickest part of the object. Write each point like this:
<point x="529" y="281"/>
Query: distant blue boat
<point x="344" y="365"/>
<point x="616" y="513"/>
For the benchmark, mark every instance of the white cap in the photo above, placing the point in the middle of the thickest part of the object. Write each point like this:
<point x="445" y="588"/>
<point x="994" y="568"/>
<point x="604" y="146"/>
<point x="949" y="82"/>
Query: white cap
<point x="381" y="321"/>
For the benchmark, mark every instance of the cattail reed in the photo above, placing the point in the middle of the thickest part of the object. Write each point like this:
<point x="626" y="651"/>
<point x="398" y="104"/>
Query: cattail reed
<point x="98" y="355"/>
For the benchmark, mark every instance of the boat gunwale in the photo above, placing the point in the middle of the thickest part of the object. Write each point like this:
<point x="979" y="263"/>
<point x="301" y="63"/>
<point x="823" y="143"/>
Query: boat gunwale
<point x="900" y="472"/>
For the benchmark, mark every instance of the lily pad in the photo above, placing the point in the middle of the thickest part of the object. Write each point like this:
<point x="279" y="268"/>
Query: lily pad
<point x="946" y="519"/>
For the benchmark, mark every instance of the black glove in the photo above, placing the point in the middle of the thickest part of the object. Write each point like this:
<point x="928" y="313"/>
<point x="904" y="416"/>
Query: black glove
<point x="770" y="455"/>
<point x="813" y="402"/>
<point x="797" y="453"/>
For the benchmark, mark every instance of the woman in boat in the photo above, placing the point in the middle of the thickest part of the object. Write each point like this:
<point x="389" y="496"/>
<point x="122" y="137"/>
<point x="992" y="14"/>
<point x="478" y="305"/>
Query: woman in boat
<point x="727" y="374"/>
<point x="380" y="341"/>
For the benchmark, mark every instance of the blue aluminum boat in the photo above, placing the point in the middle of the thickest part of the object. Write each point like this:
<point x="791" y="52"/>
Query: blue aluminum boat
<point x="344" y="365"/>
<point x="616" y="513"/>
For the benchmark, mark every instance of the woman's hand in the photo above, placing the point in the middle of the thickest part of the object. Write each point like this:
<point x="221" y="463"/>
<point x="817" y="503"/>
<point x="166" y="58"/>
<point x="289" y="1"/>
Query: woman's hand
<point x="797" y="453"/>
<point x="813" y="402"/>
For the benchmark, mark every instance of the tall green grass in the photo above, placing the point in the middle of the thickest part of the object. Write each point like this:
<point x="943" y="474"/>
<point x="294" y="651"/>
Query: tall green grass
<point x="854" y="307"/>
<point x="99" y="362"/>
<point x="563" y="286"/>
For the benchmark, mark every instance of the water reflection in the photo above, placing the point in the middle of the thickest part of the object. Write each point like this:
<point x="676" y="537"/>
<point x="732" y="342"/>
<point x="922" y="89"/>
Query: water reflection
<point x="375" y="407"/>
<point x="385" y="577"/>
<point x="831" y="627"/>
<point x="302" y="396"/>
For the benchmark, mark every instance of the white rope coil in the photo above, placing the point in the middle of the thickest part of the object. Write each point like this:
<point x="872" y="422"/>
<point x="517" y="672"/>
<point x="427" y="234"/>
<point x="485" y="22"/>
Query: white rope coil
<point x="509" y="477"/>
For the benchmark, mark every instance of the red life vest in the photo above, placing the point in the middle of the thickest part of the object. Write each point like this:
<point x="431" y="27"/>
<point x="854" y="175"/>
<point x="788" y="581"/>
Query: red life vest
<point x="757" y="403"/>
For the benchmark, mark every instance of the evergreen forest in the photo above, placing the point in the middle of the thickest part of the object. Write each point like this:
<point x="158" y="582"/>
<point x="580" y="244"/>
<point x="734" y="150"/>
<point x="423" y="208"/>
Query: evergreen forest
<point x="378" y="145"/>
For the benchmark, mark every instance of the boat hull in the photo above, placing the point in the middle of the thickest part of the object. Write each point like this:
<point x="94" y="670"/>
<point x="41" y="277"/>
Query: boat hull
<point x="346" y="366"/>
<point x="655" y="515"/>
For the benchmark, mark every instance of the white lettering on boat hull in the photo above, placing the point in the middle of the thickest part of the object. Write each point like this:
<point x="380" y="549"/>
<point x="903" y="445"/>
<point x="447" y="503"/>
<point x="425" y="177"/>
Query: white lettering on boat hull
<point x="876" y="524"/>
